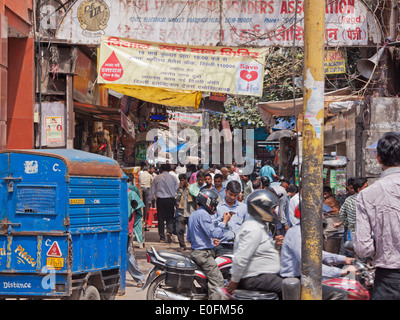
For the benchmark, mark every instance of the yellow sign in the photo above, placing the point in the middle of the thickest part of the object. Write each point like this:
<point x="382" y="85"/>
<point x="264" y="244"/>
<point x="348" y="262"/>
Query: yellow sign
<point x="180" y="67"/>
<point x="334" y="62"/>
<point x="76" y="201"/>
<point x="56" y="263"/>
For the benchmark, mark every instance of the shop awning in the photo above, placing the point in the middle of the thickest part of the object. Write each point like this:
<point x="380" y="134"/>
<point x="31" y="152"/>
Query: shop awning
<point x="98" y="113"/>
<point x="166" y="97"/>
<point x="287" y="107"/>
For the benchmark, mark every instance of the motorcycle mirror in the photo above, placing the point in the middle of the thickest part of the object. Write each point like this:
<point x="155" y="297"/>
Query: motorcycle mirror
<point x="349" y="246"/>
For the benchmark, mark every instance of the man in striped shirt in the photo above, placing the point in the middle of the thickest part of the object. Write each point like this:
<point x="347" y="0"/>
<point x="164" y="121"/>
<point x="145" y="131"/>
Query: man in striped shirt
<point x="347" y="213"/>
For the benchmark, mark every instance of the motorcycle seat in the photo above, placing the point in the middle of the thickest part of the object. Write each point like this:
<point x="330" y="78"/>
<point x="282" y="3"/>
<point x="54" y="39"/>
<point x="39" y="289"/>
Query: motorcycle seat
<point x="167" y="255"/>
<point x="254" y="295"/>
<point x="224" y="252"/>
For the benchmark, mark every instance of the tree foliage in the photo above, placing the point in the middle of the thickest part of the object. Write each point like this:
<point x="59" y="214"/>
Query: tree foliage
<point x="282" y="66"/>
<point x="278" y="85"/>
<point x="283" y="81"/>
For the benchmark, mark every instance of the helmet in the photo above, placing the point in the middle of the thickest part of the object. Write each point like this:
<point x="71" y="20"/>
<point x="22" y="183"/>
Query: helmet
<point x="208" y="199"/>
<point x="261" y="205"/>
<point x="265" y="181"/>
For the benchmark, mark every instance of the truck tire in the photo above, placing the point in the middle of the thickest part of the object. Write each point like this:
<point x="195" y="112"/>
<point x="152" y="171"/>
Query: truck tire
<point x="91" y="293"/>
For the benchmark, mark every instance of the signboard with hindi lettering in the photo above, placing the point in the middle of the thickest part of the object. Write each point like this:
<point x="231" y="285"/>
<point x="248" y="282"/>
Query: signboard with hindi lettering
<point x="208" y="23"/>
<point x="334" y="62"/>
<point x="192" y="119"/>
<point x="218" y="69"/>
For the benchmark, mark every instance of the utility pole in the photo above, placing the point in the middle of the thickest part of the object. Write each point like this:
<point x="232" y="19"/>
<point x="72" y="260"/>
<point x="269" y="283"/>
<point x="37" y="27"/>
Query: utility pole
<point x="313" y="146"/>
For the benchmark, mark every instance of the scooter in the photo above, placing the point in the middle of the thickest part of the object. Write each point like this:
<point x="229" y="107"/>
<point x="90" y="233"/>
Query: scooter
<point x="177" y="277"/>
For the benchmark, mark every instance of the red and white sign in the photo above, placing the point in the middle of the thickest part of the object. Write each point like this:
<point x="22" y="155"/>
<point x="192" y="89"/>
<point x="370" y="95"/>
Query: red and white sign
<point x="54" y="250"/>
<point x="112" y="70"/>
<point x="193" y="119"/>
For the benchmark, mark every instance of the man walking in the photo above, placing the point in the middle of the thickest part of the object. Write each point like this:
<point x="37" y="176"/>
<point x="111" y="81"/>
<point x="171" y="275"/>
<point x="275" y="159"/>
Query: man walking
<point x="225" y="173"/>
<point x="233" y="175"/>
<point x="378" y="221"/>
<point x="247" y="186"/>
<point x="145" y="180"/>
<point x="186" y="206"/>
<point x="164" y="188"/>
<point x="268" y="171"/>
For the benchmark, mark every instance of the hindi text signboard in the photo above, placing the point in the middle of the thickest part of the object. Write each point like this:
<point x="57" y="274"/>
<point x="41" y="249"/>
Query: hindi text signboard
<point x="334" y="62"/>
<point x="208" y="23"/>
<point x="218" y="69"/>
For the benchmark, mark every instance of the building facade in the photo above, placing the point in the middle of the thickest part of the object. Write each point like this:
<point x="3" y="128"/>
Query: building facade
<point x="17" y="74"/>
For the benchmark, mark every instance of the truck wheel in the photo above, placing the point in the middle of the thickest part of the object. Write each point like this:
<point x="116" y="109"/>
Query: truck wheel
<point x="109" y="294"/>
<point x="91" y="293"/>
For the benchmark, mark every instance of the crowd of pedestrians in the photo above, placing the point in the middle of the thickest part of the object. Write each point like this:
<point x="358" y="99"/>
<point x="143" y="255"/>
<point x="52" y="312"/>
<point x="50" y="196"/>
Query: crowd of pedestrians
<point x="172" y="190"/>
<point x="220" y="209"/>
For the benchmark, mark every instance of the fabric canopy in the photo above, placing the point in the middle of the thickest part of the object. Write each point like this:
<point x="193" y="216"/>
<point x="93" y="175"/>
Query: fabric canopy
<point x="295" y="107"/>
<point x="172" y="98"/>
<point x="98" y="113"/>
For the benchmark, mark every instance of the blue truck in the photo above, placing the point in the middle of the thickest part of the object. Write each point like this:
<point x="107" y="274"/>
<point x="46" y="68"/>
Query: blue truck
<point x="63" y="225"/>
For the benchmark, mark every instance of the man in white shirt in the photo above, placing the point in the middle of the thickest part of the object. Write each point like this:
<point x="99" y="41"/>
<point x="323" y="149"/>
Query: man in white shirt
<point x="233" y="175"/>
<point x="164" y="188"/>
<point x="173" y="172"/>
<point x="256" y="261"/>
<point x="293" y="203"/>
<point x="181" y="169"/>
<point x="145" y="180"/>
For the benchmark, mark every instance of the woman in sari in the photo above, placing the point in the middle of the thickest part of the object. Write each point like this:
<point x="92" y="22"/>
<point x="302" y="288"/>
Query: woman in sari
<point x="135" y="214"/>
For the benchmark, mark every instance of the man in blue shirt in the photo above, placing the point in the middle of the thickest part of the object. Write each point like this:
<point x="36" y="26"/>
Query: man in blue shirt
<point x="208" y="180"/>
<point x="200" y="234"/>
<point x="268" y="171"/>
<point x="291" y="261"/>
<point x="239" y="209"/>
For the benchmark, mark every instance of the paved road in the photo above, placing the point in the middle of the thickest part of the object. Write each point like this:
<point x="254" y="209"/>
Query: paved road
<point x="151" y="239"/>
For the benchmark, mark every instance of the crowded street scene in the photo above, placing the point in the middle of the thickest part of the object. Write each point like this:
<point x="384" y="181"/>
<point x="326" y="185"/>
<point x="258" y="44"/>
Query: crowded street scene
<point x="217" y="152"/>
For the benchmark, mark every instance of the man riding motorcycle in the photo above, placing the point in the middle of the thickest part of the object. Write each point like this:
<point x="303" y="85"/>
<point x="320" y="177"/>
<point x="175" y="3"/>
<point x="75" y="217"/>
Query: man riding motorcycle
<point x="256" y="260"/>
<point x="291" y="262"/>
<point x="201" y="231"/>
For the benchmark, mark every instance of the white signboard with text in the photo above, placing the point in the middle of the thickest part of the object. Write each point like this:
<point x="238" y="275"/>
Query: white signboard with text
<point x="208" y="23"/>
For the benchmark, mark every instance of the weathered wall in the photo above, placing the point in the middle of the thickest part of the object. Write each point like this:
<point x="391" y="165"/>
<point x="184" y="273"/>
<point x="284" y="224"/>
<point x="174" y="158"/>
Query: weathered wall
<point x="384" y="117"/>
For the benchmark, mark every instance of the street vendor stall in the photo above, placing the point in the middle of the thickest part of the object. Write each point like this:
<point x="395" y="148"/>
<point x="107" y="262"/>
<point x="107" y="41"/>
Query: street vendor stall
<point x="334" y="173"/>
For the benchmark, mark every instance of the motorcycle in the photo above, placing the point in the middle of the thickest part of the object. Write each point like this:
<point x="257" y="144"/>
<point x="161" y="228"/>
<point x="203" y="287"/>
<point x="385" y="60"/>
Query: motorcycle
<point x="358" y="288"/>
<point x="177" y="277"/>
<point x="360" y="285"/>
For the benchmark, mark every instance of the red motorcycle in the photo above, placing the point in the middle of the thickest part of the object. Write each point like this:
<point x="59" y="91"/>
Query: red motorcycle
<point x="359" y="286"/>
